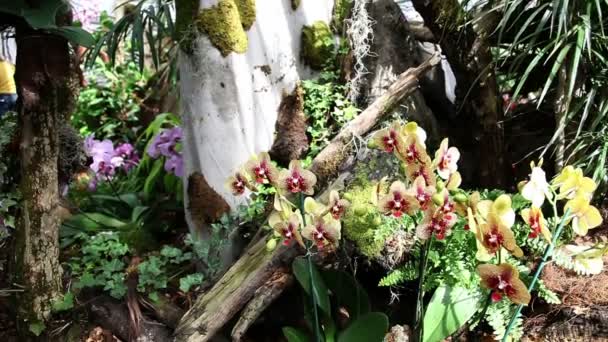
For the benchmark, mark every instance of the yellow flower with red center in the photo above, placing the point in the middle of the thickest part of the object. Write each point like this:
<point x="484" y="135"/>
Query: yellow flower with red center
<point x="398" y="201"/>
<point x="297" y="179"/>
<point x="260" y="169"/>
<point x="501" y="207"/>
<point x="584" y="215"/>
<point x="572" y="183"/>
<point x="534" y="218"/>
<point x="290" y="229"/>
<point x="412" y="128"/>
<point x="494" y="234"/>
<point x="412" y="152"/>
<point x="336" y="205"/>
<point x="503" y="280"/>
<point x="423" y="169"/>
<point x="437" y="221"/>
<point x="422" y="192"/>
<point x="237" y="183"/>
<point x="388" y="139"/>
<point x="323" y="232"/>
<point x="446" y="159"/>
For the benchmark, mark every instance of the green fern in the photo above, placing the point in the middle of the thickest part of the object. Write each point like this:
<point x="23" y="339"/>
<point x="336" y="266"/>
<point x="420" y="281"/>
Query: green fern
<point x="498" y="317"/>
<point x="407" y="272"/>
<point x="545" y="293"/>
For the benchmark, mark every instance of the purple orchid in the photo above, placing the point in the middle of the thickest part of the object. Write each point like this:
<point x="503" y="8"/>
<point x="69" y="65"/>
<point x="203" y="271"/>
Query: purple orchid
<point x="175" y="164"/>
<point x="128" y="155"/>
<point x="164" y="145"/>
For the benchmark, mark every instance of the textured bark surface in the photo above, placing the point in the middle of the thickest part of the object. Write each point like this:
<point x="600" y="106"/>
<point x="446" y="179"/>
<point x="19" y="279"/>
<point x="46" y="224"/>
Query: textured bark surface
<point x="328" y="162"/>
<point x="47" y="84"/>
<point x="477" y="97"/>
<point x="232" y="292"/>
<point x="291" y="142"/>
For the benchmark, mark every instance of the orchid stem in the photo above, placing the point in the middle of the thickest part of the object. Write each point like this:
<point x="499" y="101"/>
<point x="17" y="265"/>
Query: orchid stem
<point x="543" y="262"/>
<point x="310" y="275"/>
<point x="424" y="258"/>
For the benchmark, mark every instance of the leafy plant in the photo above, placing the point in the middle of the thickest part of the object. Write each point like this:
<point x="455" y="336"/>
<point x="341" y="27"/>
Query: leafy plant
<point x="449" y="309"/>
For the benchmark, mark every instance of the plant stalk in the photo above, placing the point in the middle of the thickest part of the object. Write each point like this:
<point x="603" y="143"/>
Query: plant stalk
<point x="418" y="332"/>
<point x="543" y="262"/>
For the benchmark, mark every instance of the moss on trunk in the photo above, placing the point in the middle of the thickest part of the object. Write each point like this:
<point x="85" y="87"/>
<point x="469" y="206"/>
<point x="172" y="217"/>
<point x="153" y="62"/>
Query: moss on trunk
<point x="225" y="24"/>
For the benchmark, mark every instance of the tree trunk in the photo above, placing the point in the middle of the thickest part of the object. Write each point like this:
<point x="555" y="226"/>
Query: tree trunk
<point x="479" y="125"/>
<point x="46" y="85"/>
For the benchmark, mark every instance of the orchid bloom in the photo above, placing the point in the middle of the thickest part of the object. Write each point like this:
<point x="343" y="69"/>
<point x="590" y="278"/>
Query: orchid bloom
<point x="413" y="152"/>
<point x="537" y="188"/>
<point x="494" y="235"/>
<point x="388" y="139"/>
<point x="290" y="229"/>
<point x="423" y="169"/>
<point x="585" y="216"/>
<point x="322" y="232"/>
<point x="501" y="207"/>
<point x="571" y="183"/>
<point x="422" y="192"/>
<point x="438" y="222"/>
<point x="454" y="181"/>
<point x="446" y="159"/>
<point x="237" y="183"/>
<point x="175" y="165"/>
<point x="297" y="179"/>
<point x="261" y="169"/>
<point x="397" y="201"/>
<point x="534" y="218"/>
<point x="503" y="280"/>
<point x="412" y="128"/>
<point x="336" y="205"/>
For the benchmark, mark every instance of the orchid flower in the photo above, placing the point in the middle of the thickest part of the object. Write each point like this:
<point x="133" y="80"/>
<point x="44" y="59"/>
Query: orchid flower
<point x="412" y="128"/>
<point x="337" y="206"/>
<point x="494" y="234"/>
<point x="446" y="159"/>
<point x="388" y="138"/>
<point x="297" y="179"/>
<point x="501" y="207"/>
<point x="398" y="201"/>
<point x="585" y="216"/>
<point x="503" y="280"/>
<point x="534" y="218"/>
<point x="422" y="192"/>
<point x="290" y="229"/>
<point x="572" y="183"/>
<point x="260" y="169"/>
<point x="423" y="169"/>
<point x="436" y="221"/>
<point x="322" y="232"/>
<point x="237" y="183"/>
<point x="537" y="188"/>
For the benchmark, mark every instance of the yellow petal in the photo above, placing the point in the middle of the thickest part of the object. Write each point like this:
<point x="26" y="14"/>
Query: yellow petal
<point x="502" y="204"/>
<point x="484" y="208"/>
<point x="592" y="217"/>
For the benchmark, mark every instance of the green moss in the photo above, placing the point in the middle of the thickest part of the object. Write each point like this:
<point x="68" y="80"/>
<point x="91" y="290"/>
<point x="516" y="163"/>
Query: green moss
<point x="318" y="44"/>
<point x="185" y="14"/>
<point x="222" y="23"/>
<point x="295" y="4"/>
<point x="247" y="12"/>
<point x="341" y="11"/>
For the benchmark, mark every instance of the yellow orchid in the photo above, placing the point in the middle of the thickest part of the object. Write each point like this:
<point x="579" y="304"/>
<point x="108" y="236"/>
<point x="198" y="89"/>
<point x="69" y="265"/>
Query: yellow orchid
<point x="534" y="218"/>
<point x="572" y="183"/>
<point x="454" y="181"/>
<point x="501" y="207"/>
<point x="585" y="216"/>
<point x="412" y="128"/>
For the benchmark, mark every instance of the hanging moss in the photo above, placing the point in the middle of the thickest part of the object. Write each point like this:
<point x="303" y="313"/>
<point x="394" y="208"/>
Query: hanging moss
<point x="247" y="12"/>
<point x="318" y="44"/>
<point x="341" y="11"/>
<point x="295" y="4"/>
<point x="185" y="14"/>
<point x="222" y="23"/>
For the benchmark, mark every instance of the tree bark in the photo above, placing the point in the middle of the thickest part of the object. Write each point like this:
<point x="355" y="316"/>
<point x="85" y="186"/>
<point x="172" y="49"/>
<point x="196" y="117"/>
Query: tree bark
<point x="480" y="118"/>
<point x="46" y="85"/>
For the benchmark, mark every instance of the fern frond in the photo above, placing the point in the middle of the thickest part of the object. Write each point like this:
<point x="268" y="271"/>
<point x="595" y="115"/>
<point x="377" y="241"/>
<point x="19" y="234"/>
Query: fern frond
<point x="407" y="272"/>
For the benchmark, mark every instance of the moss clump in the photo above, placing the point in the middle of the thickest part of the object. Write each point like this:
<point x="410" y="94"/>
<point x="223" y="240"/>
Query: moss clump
<point x="341" y="10"/>
<point x="295" y="4"/>
<point x="247" y="12"/>
<point x="222" y="23"/>
<point x="185" y="14"/>
<point x="318" y="45"/>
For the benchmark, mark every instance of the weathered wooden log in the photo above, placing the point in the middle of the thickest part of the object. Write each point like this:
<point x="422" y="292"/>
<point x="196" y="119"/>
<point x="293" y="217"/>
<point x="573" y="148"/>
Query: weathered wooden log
<point x="327" y="163"/>
<point x="263" y="297"/>
<point x="254" y="269"/>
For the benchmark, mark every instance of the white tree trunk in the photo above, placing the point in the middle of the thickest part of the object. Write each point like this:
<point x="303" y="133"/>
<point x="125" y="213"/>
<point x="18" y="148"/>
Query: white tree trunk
<point x="229" y="104"/>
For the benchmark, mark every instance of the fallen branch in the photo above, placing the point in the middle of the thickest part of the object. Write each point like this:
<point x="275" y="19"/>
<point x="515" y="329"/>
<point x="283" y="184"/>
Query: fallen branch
<point x="254" y="269"/>
<point x="262" y="298"/>
<point x="327" y="163"/>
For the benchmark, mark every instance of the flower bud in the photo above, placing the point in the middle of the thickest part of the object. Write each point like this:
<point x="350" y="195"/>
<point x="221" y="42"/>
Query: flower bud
<point x="461" y="198"/>
<point x="371" y="144"/>
<point x="347" y="196"/>
<point x="377" y="221"/>
<point x="440" y="185"/>
<point x="437" y="199"/>
<point x="271" y="245"/>
<point x="520" y="185"/>
<point x="360" y="210"/>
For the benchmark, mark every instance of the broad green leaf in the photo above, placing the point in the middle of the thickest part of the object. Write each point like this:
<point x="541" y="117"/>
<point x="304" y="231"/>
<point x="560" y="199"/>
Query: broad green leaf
<point x="449" y="309"/>
<point x="295" y="335"/>
<point x="307" y="274"/>
<point x="152" y="177"/>
<point x="347" y="291"/>
<point x="37" y="328"/>
<point x="65" y="303"/>
<point x="93" y="222"/>
<point x="75" y="35"/>
<point x="371" y="327"/>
